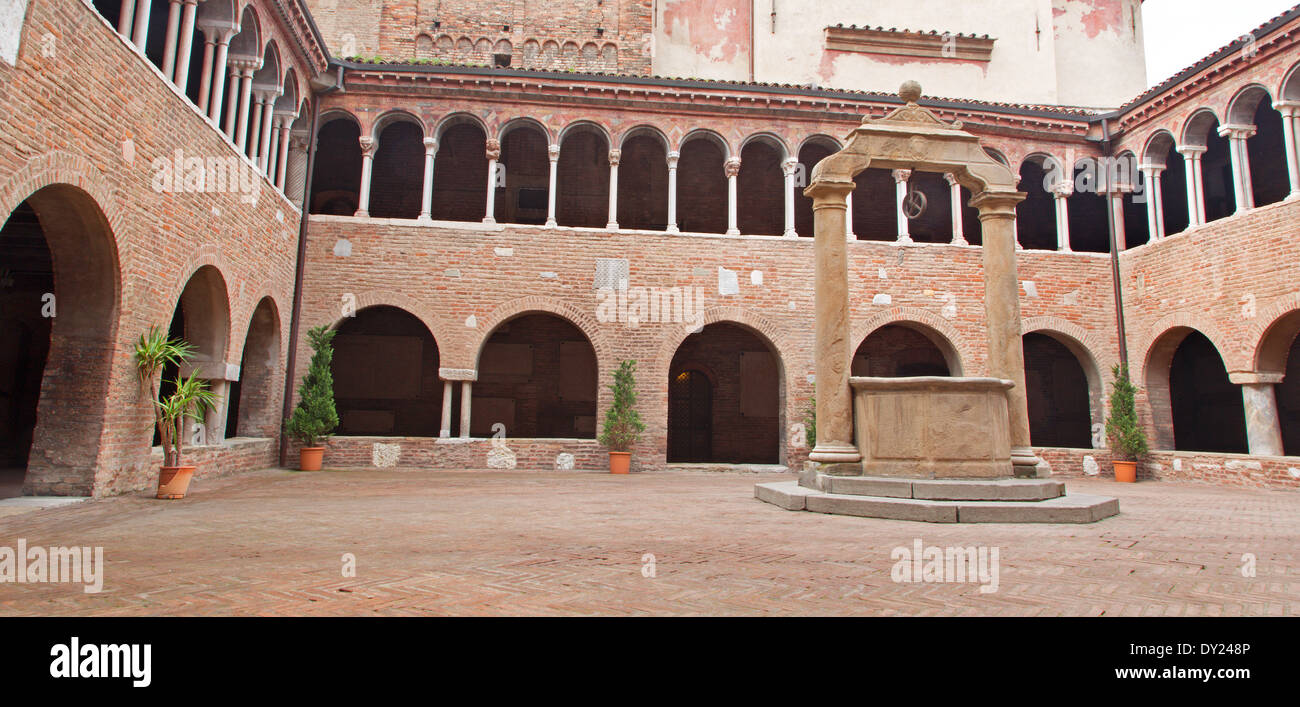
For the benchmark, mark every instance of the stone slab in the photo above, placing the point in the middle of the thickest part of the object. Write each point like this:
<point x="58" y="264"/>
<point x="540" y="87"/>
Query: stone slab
<point x="1066" y="509"/>
<point x="868" y="486"/>
<point x="1007" y="490"/>
<point x="786" y="494"/>
<point x="890" y="508"/>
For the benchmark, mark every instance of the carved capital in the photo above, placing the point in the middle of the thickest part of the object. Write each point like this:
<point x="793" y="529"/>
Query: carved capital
<point x="553" y="152"/>
<point x="951" y="179"/>
<point x="614" y="157"/>
<point x="731" y="167"/>
<point x="788" y="166"/>
<point x="902" y="175"/>
<point x="1237" y="132"/>
<point x="367" y="146"/>
<point x="672" y="159"/>
<point x="493" y="148"/>
<point x="1063" y="189"/>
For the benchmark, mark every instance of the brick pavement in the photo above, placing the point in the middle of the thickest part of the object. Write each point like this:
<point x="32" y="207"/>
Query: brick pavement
<point x="506" y="543"/>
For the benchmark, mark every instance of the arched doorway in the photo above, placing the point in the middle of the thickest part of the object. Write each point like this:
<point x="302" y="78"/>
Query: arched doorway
<point x="1059" y="397"/>
<point x="59" y="269"/>
<point x="537" y="376"/>
<point x="725" y="398"/>
<point x="524" y="195"/>
<point x="202" y="319"/>
<point x="702" y="184"/>
<point x="905" y="349"/>
<point x="1206" y="407"/>
<point x="643" y="181"/>
<point x="336" y="176"/>
<point x="582" y="190"/>
<point x="760" y="186"/>
<point x="1279" y="353"/>
<point x="252" y="409"/>
<point x="460" y="172"/>
<point x="397" y="174"/>
<point x="385" y="372"/>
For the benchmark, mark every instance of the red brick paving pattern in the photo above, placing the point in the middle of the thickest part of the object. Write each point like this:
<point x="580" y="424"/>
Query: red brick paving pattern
<point x="509" y="543"/>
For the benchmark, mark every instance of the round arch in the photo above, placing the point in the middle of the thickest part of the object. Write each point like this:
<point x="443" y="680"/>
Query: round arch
<point x="939" y="331"/>
<point x="1080" y="345"/>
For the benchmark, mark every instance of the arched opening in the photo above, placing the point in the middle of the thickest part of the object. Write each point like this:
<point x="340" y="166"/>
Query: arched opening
<point x="1059" y="398"/>
<point x="812" y="152"/>
<point x="1279" y="353"/>
<point x="1036" y="215"/>
<point x="643" y="183"/>
<point x="727" y="407"/>
<point x="252" y="409"/>
<point x="702" y="185"/>
<point x="1134" y="191"/>
<point x="583" y="173"/>
<point x="1162" y="152"/>
<point x="875" y="213"/>
<point x="397" y="174"/>
<point x="460" y="173"/>
<point x="760" y="187"/>
<point x="1089" y="227"/>
<point x="932" y="223"/>
<point x="527" y="170"/>
<point x="537" y="376"/>
<point x="245" y="49"/>
<point x="386" y="375"/>
<point x="1207" y="408"/>
<point x="202" y="319"/>
<point x="903" y="350"/>
<point x="1266" y="150"/>
<point x="1216" y="165"/>
<point x="972" y="227"/>
<point x="336" y="177"/>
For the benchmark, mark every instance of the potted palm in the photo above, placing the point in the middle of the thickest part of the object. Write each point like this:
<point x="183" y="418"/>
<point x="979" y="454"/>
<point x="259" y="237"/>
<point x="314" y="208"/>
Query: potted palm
<point x="1128" y="440"/>
<point x="191" y="398"/>
<point x="623" y="426"/>
<point x="315" y="417"/>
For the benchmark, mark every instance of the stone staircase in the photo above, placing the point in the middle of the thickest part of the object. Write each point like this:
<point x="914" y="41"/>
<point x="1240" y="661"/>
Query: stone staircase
<point x="937" y="500"/>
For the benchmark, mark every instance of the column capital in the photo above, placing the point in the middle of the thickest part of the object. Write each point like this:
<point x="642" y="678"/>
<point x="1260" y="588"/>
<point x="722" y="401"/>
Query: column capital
<point x="1237" y="131"/>
<point x="221" y="30"/>
<point x="1192" y="152"/>
<point x="902" y="175"/>
<point x="553" y="153"/>
<point x="458" y="374"/>
<point x="430" y="145"/>
<point x="1151" y="169"/>
<point x="789" y="165"/>
<point x="614" y="157"/>
<point x="1288" y="109"/>
<point x="951" y="179"/>
<point x="997" y="204"/>
<point x="244" y="64"/>
<point x="673" y="156"/>
<point x="367" y="145"/>
<point x="1062" y="189"/>
<point x="493" y="151"/>
<point x="731" y="167"/>
<point x="829" y="193"/>
<point x="1255" y="378"/>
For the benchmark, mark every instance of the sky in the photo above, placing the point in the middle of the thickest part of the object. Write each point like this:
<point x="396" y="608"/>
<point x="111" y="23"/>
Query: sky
<point x="1181" y="32"/>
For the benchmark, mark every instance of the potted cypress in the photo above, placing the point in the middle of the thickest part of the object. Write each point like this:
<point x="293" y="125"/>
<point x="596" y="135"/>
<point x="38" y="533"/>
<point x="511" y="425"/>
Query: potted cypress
<point x="623" y="426"/>
<point x="1128" y="440"/>
<point x="191" y="398"/>
<point x="315" y="417"/>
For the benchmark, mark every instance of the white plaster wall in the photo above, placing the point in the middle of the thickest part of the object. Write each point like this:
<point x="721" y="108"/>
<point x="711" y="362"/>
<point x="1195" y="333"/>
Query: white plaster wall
<point x="711" y="39"/>
<point x="12" y="13"/>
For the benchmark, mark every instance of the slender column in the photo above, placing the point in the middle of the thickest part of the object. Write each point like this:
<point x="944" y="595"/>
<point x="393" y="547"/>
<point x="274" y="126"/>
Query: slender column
<point x="788" y="168"/>
<point x="264" y="149"/>
<point x="445" y="431"/>
<point x="169" y="45"/>
<point x="900" y="193"/>
<point x="232" y="105"/>
<point x="1241" y="184"/>
<point x="493" y="154"/>
<point x="673" y="156"/>
<point x="1290" y="111"/>
<point x="1199" y="165"/>
<point x="1158" y="195"/>
<point x="219" y="77"/>
<point x="1151" y="178"/>
<point x="140" y="35"/>
<point x="205" y="76"/>
<point x="282" y="154"/>
<point x="1061" y="192"/>
<point x="958" y="226"/>
<point x="614" y="157"/>
<point x="367" y="161"/>
<point x="1195" y="192"/>
<point x="553" y="155"/>
<point x="295" y="179"/>
<point x="273" y="148"/>
<point x="245" y="97"/>
<point x="181" y="77"/>
<point x="426" y="187"/>
<point x="1002" y="314"/>
<point x="254" y="126"/>
<point x="1115" y="201"/>
<point x="849" y="235"/>
<point x="466" y="395"/>
<point x="126" y="18"/>
<point x="732" y="169"/>
<point x="833" y="352"/>
<point x="1263" y="431"/>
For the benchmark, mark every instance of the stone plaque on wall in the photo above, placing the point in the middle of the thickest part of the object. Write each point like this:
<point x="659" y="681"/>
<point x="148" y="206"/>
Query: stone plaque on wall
<point x="758" y="384"/>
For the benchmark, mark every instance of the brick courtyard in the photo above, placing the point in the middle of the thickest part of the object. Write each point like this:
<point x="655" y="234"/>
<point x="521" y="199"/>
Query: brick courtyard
<point x="511" y="543"/>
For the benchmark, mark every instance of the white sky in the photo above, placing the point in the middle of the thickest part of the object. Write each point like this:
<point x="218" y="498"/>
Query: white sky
<point x="1181" y="32"/>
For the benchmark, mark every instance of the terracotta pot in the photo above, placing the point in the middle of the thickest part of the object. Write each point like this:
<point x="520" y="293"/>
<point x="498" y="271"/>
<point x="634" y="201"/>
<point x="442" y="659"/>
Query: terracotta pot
<point x="1126" y="472"/>
<point x="309" y="458"/>
<point x="174" y="481"/>
<point x="620" y="462"/>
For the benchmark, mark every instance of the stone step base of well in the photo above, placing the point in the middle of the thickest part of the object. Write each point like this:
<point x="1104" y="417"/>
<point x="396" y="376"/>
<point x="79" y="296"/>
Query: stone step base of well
<point x="719" y="467"/>
<point x="935" y="489"/>
<point x="1061" y="509"/>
